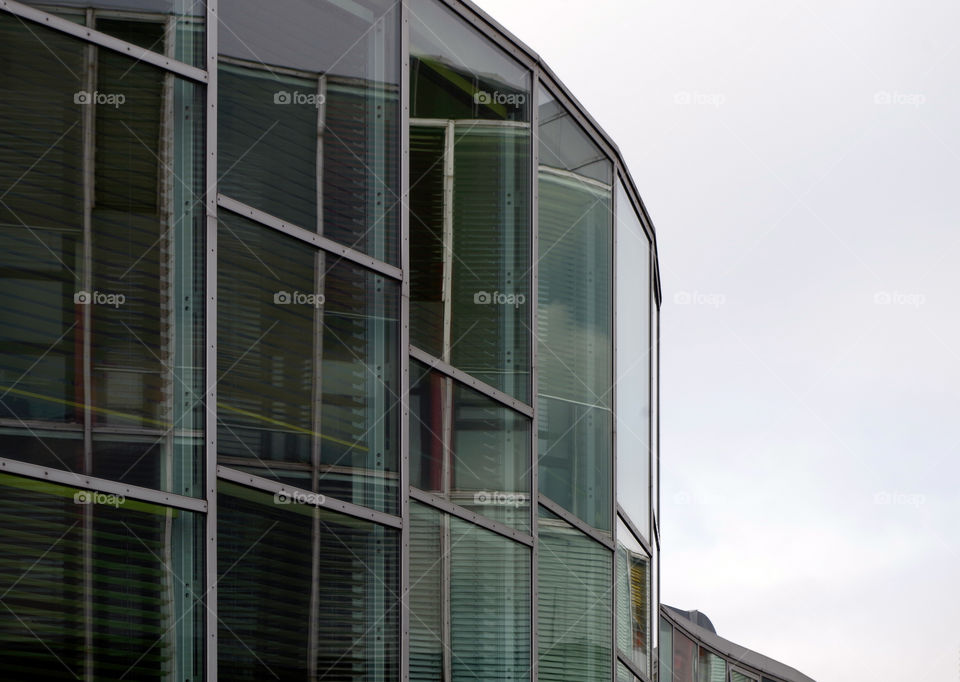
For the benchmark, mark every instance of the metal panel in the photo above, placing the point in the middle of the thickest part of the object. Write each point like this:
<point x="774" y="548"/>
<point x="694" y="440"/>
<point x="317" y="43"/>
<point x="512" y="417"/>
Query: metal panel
<point x="469" y="380"/>
<point x="313" y="498"/>
<point x="604" y="539"/>
<point x="210" y="343"/>
<point x="311" y="237"/>
<point x="104" y="40"/>
<point x="404" y="341"/>
<point x="467" y="515"/>
<point x="134" y="492"/>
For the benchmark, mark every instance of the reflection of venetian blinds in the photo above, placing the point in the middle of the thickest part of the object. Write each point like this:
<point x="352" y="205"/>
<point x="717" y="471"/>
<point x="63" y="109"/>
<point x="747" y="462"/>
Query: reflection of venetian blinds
<point x="574" y="604"/>
<point x="491" y="247"/>
<point x="426" y="605"/>
<point x="268" y="583"/>
<point x="44" y="579"/>
<point x="573" y="316"/>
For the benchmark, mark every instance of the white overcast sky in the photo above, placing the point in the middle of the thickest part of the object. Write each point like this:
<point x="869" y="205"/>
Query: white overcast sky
<point x="801" y="163"/>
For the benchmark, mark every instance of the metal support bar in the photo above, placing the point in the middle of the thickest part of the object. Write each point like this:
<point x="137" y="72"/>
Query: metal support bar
<point x="103" y="40"/>
<point x="317" y="499"/>
<point x="134" y="492"/>
<point x="312" y="238"/>
<point x="605" y="539"/>
<point x="468" y="380"/>
<point x="634" y="530"/>
<point x="467" y="515"/>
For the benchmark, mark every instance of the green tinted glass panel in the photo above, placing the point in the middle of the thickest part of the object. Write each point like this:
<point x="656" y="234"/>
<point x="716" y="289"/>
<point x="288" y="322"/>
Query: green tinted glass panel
<point x="633" y="364"/>
<point x="173" y="28"/>
<point x="101" y="358"/>
<point x="482" y="461"/>
<point x="470" y="201"/>
<point x="710" y="667"/>
<point x="574" y="318"/>
<point x="623" y="674"/>
<point x="309" y="114"/>
<point x="574" y="614"/>
<point x="665" y="653"/>
<point x="740" y="677"/>
<point x="633" y="599"/>
<point x="97" y="586"/>
<point x="307" y="366"/>
<point x="479" y="626"/>
<point x="304" y="593"/>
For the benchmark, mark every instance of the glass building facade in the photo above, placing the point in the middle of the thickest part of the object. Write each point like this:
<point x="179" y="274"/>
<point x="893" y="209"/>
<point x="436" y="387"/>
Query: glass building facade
<point x="691" y="651"/>
<point x="328" y="351"/>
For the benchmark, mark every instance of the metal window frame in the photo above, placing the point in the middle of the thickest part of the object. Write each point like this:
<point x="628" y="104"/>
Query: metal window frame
<point x="101" y="39"/>
<point x="320" y="500"/>
<point x="82" y="481"/>
<point x="310" y="237"/>
<point x="473" y="517"/>
<point x="466" y="379"/>
<point x="622" y="658"/>
<point x="603" y="538"/>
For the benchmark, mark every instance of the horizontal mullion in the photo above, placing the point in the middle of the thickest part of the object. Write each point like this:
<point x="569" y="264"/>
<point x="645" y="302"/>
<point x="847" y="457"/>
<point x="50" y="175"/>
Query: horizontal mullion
<point x="73" y="480"/>
<point x="644" y="542"/>
<point x="103" y="40"/>
<point x="312" y="238"/>
<point x="465" y="514"/>
<point x="466" y="379"/>
<point x="604" y="539"/>
<point x="270" y="486"/>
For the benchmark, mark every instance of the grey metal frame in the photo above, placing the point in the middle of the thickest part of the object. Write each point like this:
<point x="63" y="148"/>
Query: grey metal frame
<point x="541" y="76"/>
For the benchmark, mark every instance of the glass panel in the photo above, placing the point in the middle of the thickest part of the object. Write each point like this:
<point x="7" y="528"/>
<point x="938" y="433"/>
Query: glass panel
<point x="633" y="364"/>
<point x="97" y="586"/>
<point x="711" y="668"/>
<point x="684" y="653"/>
<point x="468" y="448"/>
<point x="633" y="599"/>
<point x="101" y="357"/>
<point x="307" y="371"/>
<point x="574" y="318"/>
<point x="574" y="603"/>
<point x="309" y="115"/>
<point x="469" y="601"/>
<point x="470" y="201"/>
<point x="174" y="28"/>
<point x="623" y="674"/>
<point x="665" y="653"/>
<point x="304" y="593"/>
<point x="740" y="677"/>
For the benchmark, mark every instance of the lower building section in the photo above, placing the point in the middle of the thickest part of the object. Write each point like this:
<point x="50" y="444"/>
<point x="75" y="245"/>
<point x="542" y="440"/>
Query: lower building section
<point x="691" y="651"/>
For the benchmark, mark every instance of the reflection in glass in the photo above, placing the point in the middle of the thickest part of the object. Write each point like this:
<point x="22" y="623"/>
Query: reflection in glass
<point x="711" y="668"/>
<point x="97" y="586"/>
<point x="574" y="318"/>
<point x="469" y="201"/>
<point x="740" y="677"/>
<point x="623" y="674"/>
<point x="665" y="652"/>
<point x="684" y="653"/>
<point x="633" y="599"/>
<point x="304" y="593"/>
<point x="309" y="110"/>
<point x="101" y="294"/>
<point x="633" y="364"/>
<point x="307" y="366"/>
<point x="468" y="448"/>
<point x="574" y="603"/>
<point x="469" y="601"/>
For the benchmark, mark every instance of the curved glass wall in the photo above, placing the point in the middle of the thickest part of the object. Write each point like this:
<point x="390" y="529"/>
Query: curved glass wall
<point x="574" y="316"/>
<point x="217" y="400"/>
<point x="469" y="201"/>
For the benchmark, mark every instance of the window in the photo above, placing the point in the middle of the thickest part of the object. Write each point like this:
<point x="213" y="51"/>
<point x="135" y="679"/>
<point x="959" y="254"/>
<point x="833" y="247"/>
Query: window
<point x="574" y="317"/>
<point x="633" y="599"/>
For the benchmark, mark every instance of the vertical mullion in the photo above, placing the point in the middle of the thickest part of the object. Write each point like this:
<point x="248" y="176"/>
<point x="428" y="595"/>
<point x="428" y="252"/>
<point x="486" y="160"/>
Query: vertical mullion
<point x="534" y="373"/>
<point x="404" y="355"/>
<point x="210" y="342"/>
<point x="614" y="241"/>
